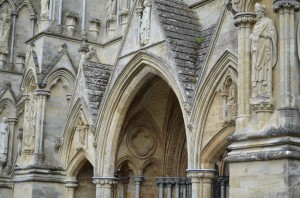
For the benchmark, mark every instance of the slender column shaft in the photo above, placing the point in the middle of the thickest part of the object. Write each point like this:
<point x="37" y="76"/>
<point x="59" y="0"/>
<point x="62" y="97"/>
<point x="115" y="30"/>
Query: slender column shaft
<point x="14" y="14"/>
<point x="41" y="102"/>
<point x="83" y="15"/>
<point x="137" y="181"/>
<point x="11" y="122"/>
<point x="177" y="186"/>
<point x="169" y="190"/>
<point x="60" y="12"/>
<point x="161" y="190"/>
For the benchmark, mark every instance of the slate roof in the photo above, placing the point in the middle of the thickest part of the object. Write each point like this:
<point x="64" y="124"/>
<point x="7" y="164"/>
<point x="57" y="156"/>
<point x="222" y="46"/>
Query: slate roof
<point x="181" y="27"/>
<point x="96" y="76"/>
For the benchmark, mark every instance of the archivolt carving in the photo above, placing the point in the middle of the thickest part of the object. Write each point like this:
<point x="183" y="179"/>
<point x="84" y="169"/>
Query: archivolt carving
<point x="141" y="142"/>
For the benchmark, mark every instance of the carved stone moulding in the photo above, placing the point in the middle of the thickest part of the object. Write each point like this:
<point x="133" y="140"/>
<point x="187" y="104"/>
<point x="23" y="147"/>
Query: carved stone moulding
<point x="278" y="4"/>
<point x="141" y="142"/>
<point x="262" y="104"/>
<point x="105" y="180"/>
<point x="244" y="18"/>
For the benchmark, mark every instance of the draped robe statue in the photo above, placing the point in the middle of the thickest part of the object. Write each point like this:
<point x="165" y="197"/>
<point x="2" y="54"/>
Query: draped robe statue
<point x="145" y="23"/>
<point x="5" y="24"/>
<point x="264" y="53"/>
<point x="4" y="133"/>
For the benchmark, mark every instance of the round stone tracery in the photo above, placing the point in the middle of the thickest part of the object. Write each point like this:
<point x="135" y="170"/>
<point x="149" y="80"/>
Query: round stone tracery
<point x="141" y="142"/>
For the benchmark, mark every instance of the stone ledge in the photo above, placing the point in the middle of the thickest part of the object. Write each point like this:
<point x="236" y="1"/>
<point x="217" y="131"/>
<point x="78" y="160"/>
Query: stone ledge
<point x="264" y="156"/>
<point x="265" y="134"/>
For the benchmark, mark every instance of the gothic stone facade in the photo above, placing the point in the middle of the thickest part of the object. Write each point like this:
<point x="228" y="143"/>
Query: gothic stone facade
<point x="149" y="98"/>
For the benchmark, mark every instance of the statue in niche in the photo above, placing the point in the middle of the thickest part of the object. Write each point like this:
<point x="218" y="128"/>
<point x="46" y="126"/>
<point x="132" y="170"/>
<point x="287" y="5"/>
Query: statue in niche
<point x="264" y="53"/>
<point x="45" y="10"/>
<point x="4" y="134"/>
<point x="231" y="105"/>
<point x="111" y="9"/>
<point x="28" y="137"/>
<point x="81" y="131"/>
<point x="20" y="138"/>
<point x="5" y="25"/>
<point x="145" y="23"/>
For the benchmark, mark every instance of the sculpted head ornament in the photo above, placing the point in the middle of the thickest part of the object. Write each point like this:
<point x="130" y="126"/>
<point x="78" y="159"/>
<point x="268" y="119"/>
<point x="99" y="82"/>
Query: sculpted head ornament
<point x="260" y="8"/>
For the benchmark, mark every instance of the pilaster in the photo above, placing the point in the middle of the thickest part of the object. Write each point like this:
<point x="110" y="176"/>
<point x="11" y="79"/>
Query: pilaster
<point x="243" y="22"/>
<point x="41" y="96"/>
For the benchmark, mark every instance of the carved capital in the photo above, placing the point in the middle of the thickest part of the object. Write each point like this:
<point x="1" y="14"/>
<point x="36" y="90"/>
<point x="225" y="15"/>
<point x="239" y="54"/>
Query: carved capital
<point x="105" y="181"/>
<point x="289" y="4"/>
<point x="33" y="17"/>
<point x="14" y="13"/>
<point x="201" y="173"/>
<point x="42" y="93"/>
<point x="71" y="184"/>
<point x="263" y="107"/>
<point x="244" y="18"/>
<point x="84" y="48"/>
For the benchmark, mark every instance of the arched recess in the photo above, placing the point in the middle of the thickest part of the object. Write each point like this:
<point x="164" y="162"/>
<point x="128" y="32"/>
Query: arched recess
<point x="78" y="111"/>
<point x="77" y="162"/>
<point x="29" y="81"/>
<point x="61" y="74"/>
<point x="140" y="70"/>
<point x="226" y="65"/>
<point x="9" y="107"/>
<point x="10" y="2"/>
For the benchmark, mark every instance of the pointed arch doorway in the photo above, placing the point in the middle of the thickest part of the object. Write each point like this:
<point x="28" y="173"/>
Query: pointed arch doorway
<point x="151" y="157"/>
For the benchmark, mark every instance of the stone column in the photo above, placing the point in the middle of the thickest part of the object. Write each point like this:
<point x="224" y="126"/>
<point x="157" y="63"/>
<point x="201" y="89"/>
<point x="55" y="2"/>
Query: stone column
<point x="70" y="188"/>
<point x="288" y="64"/>
<point x="201" y="180"/>
<point x="169" y="187"/>
<point x="11" y="122"/>
<point x="14" y="15"/>
<point x="124" y="181"/>
<point x="104" y="186"/>
<point x="177" y="187"/>
<point x="137" y="180"/>
<point x="160" y="183"/>
<point x="244" y="22"/>
<point x="33" y="19"/>
<point x="40" y="119"/>
<point x="223" y="181"/>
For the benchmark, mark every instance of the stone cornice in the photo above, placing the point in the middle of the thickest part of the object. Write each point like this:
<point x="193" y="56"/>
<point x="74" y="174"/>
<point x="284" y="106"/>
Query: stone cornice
<point x="279" y="4"/>
<point x="244" y="18"/>
<point x="263" y="156"/>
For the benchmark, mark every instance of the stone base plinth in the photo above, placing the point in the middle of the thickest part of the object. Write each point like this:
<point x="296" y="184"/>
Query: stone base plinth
<point x="265" y="179"/>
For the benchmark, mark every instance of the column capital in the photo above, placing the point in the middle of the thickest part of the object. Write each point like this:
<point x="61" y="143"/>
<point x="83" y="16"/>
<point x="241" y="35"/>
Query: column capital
<point x="281" y="4"/>
<point x="33" y="17"/>
<point x="11" y="120"/>
<point x="244" y="18"/>
<point x="105" y="180"/>
<point x="14" y="13"/>
<point x="42" y="92"/>
<point x="201" y="173"/>
<point x="71" y="183"/>
<point x="138" y="178"/>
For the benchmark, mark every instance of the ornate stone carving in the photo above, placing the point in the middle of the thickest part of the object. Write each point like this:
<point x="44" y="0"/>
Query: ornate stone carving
<point x="4" y="134"/>
<point x="278" y="4"/>
<point x="30" y="125"/>
<point x="244" y="18"/>
<point x="264" y="53"/>
<point x="141" y="142"/>
<point x="45" y="9"/>
<point x="188" y="107"/>
<point x="231" y="105"/>
<point x="58" y="142"/>
<point x="105" y="180"/>
<point x="81" y="131"/>
<point x="145" y="23"/>
<point x="5" y="25"/>
<point x="111" y="9"/>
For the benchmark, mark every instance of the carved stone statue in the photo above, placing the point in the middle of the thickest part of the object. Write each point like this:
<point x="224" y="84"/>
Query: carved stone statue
<point x="4" y="134"/>
<point x="5" y="25"/>
<point x="28" y="136"/>
<point x="111" y="9"/>
<point x="231" y="106"/>
<point x="20" y="138"/>
<point x="81" y="131"/>
<point x="145" y="23"/>
<point x="45" y="8"/>
<point x="264" y="53"/>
